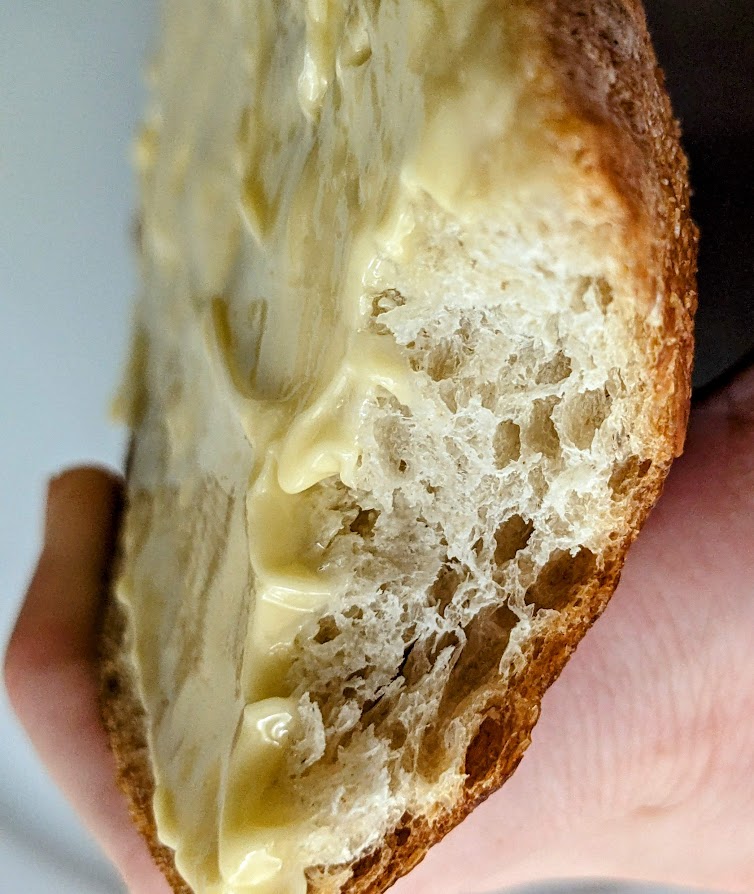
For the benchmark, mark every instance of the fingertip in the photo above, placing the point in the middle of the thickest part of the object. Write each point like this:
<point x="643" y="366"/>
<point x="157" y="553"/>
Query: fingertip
<point x="93" y="483"/>
<point x="58" y="618"/>
<point x="82" y="508"/>
<point x="94" y="472"/>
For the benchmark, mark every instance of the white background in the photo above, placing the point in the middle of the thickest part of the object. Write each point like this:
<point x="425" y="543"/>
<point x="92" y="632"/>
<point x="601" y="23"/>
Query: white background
<point x="70" y="96"/>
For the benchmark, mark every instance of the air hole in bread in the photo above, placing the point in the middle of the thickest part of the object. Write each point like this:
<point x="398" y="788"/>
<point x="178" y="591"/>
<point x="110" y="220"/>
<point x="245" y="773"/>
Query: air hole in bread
<point x="420" y="657"/>
<point x="562" y="578"/>
<point x="414" y="663"/>
<point x="556" y="370"/>
<point x="506" y="443"/>
<point x="402" y="835"/>
<point x="628" y="475"/>
<point x="444" y="360"/>
<point x="327" y="630"/>
<point x="488" y="395"/>
<point x="383" y="303"/>
<point x="584" y="416"/>
<point x="449" y="396"/>
<point x="510" y="538"/>
<point x="474" y="663"/>
<point x="486" y="638"/>
<point x="541" y="435"/>
<point x="593" y="292"/>
<point x="442" y="591"/>
<point x="364" y="523"/>
<point x="441" y="642"/>
<point x="386" y="301"/>
<point x="366" y="865"/>
<point x="484" y="750"/>
<point x="603" y="293"/>
<point x="376" y="711"/>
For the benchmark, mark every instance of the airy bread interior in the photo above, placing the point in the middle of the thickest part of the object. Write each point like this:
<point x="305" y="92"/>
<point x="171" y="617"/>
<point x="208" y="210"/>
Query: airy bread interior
<point x="476" y="517"/>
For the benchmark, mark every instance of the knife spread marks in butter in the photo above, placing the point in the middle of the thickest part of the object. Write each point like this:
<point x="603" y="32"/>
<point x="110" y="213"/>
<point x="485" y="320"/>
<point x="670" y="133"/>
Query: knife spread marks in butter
<point x="278" y="165"/>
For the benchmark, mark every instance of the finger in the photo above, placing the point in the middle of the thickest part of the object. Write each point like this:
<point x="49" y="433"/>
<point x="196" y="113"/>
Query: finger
<point x="62" y="602"/>
<point x="51" y="673"/>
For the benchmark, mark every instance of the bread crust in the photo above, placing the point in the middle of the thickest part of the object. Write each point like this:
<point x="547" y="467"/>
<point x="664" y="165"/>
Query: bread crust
<point x="606" y="71"/>
<point x="123" y="716"/>
<point x="609" y="76"/>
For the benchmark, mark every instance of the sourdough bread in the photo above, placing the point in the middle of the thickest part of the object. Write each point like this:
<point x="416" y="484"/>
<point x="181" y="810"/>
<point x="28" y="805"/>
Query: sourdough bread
<point x="411" y="362"/>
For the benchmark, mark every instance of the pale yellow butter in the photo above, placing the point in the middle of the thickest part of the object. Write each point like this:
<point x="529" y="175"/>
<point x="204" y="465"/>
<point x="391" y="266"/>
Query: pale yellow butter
<point x="285" y="146"/>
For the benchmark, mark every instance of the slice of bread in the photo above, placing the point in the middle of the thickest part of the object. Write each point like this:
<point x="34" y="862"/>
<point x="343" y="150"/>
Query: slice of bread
<point x="411" y="364"/>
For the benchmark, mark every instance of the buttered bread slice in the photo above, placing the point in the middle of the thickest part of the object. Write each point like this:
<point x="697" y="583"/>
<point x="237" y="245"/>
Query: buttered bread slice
<point x="410" y="364"/>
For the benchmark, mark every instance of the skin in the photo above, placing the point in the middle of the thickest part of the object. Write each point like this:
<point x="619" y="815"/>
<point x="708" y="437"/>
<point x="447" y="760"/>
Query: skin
<point x="642" y="765"/>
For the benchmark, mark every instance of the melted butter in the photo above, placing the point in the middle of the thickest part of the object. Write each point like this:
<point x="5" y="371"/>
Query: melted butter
<point x="324" y="29"/>
<point x="254" y="851"/>
<point x="285" y="146"/>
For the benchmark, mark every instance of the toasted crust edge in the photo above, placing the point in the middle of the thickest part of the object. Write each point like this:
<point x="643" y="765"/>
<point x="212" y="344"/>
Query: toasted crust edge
<point x="608" y="74"/>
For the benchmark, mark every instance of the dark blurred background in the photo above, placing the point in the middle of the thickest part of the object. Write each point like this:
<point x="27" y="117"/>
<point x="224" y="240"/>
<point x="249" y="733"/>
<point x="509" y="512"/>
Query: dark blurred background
<point x="706" y="48"/>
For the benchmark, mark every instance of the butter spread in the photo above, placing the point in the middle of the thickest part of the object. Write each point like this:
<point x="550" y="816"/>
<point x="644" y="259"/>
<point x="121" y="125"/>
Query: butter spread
<point x="280" y="160"/>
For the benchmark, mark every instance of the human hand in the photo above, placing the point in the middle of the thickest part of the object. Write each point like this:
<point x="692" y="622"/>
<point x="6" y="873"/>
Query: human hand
<point x="51" y="669"/>
<point x="642" y="765"/>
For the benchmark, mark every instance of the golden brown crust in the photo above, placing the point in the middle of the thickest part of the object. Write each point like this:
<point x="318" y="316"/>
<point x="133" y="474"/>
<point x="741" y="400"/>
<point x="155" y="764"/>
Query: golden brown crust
<point x="609" y="76"/>
<point x="604" y="63"/>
